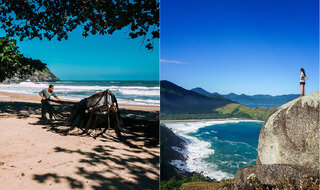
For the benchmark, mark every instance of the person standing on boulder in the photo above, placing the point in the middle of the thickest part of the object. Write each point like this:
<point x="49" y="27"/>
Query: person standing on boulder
<point x="46" y="94"/>
<point x="303" y="78"/>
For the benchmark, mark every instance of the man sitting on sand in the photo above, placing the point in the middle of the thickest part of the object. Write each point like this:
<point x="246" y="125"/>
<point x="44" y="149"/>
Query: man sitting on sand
<point x="45" y="94"/>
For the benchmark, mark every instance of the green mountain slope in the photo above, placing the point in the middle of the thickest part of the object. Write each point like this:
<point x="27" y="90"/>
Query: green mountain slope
<point x="254" y="100"/>
<point x="177" y="100"/>
<point x="180" y="103"/>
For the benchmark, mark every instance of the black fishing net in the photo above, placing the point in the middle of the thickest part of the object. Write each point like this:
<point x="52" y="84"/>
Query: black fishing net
<point x="97" y="111"/>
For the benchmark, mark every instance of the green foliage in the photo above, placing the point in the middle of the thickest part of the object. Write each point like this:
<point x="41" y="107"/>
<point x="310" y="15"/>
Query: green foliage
<point x="173" y="183"/>
<point x="164" y="116"/>
<point x="13" y="63"/>
<point x="228" y="111"/>
<point x="242" y="111"/>
<point x="9" y="57"/>
<point x="50" y="18"/>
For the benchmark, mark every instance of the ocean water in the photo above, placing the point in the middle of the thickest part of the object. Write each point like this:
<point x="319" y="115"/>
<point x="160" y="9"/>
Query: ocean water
<point x="126" y="92"/>
<point x="217" y="148"/>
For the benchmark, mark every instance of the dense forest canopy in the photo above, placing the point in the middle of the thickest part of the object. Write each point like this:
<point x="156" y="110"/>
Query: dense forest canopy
<point x="57" y="18"/>
<point x="28" y="19"/>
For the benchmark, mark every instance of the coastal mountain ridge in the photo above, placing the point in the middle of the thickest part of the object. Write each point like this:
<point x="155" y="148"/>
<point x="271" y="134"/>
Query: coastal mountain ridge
<point x="201" y="91"/>
<point x="253" y="100"/>
<point x="180" y="103"/>
<point x="175" y="100"/>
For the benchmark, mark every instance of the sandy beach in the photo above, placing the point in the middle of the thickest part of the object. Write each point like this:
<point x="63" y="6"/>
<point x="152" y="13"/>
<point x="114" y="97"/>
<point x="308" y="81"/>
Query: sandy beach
<point x="34" y="155"/>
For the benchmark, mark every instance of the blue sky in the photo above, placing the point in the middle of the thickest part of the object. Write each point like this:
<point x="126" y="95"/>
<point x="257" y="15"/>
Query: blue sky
<point x="108" y="57"/>
<point x="247" y="46"/>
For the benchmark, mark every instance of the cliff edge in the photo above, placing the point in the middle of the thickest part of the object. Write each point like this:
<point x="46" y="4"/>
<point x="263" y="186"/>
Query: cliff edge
<point x="288" y="149"/>
<point x="291" y="134"/>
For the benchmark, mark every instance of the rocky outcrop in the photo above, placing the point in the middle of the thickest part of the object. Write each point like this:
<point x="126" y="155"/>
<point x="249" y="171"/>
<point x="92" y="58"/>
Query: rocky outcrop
<point x="276" y="175"/>
<point x="288" y="149"/>
<point x="291" y="134"/>
<point x="39" y="76"/>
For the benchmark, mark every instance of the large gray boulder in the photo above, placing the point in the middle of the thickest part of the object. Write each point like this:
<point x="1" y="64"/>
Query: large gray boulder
<point x="291" y="134"/>
<point x="282" y="176"/>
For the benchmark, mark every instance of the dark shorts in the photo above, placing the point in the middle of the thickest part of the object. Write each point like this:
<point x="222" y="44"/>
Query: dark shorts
<point x="302" y="83"/>
<point x="46" y="107"/>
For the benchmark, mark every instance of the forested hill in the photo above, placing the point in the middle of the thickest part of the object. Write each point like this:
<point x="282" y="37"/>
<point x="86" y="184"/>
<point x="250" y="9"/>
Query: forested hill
<point x="38" y="76"/>
<point x="179" y="103"/>
<point x="176" y="100"/>
<point x="254" y="100"/>
<point x="261" y="99"/>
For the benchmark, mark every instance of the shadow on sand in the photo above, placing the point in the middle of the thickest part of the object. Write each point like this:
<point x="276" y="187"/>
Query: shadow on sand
<point x="141" y="129"/>
<point x="105" y="156"/>
<point x="138" y="125"/>
<point x="19" y="109"/>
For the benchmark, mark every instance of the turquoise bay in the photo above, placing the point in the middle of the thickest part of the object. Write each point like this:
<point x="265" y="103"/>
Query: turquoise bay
<point x="218" y="148"/>
<point x="235" y="144"/>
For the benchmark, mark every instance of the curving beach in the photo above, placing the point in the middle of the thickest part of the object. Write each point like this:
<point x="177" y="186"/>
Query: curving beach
<point x="213" y="147"/>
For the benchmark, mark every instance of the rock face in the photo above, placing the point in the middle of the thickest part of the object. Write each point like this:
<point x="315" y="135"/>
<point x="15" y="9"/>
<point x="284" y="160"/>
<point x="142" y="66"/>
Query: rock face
<point x="288" y="149"/>
<point x="276" y="175"/>
<point x="291" y="134"/>
<point x="38" y="76"/>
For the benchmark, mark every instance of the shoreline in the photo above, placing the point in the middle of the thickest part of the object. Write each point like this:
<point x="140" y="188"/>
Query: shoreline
<point x="195" y="150"/>
<point x="127" y="92"/>
<point x="204" y="120"/>
<point x="15" y="97"/>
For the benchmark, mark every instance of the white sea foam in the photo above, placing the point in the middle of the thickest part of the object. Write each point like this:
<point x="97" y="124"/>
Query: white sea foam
<point x="198" y="150"/>
<point x="156" y="102"/>
<point x="140" y="92"/>
<point x="82" y="87"/>
<point x="181" y="151"/>
<point x="233" y="142"/>
<point x="29" y="84"/>
<point x="139" y="102"/>
<point x="136" y="95"/>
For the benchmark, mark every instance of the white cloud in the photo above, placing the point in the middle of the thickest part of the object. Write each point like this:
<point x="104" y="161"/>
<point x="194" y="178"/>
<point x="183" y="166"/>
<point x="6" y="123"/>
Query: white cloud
<point x="170" y="61"/>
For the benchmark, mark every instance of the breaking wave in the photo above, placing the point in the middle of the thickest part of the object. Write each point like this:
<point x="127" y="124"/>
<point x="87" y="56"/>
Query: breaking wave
<point x="127" y="92"/>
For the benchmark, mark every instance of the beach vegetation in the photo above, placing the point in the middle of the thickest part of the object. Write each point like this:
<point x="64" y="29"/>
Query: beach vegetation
<point x="13" y="63"/>
<point x="48" y="19"/>
<point x="173" y="183"/>
<point x="232" y="110"/>
<point x="176" y="182"/>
